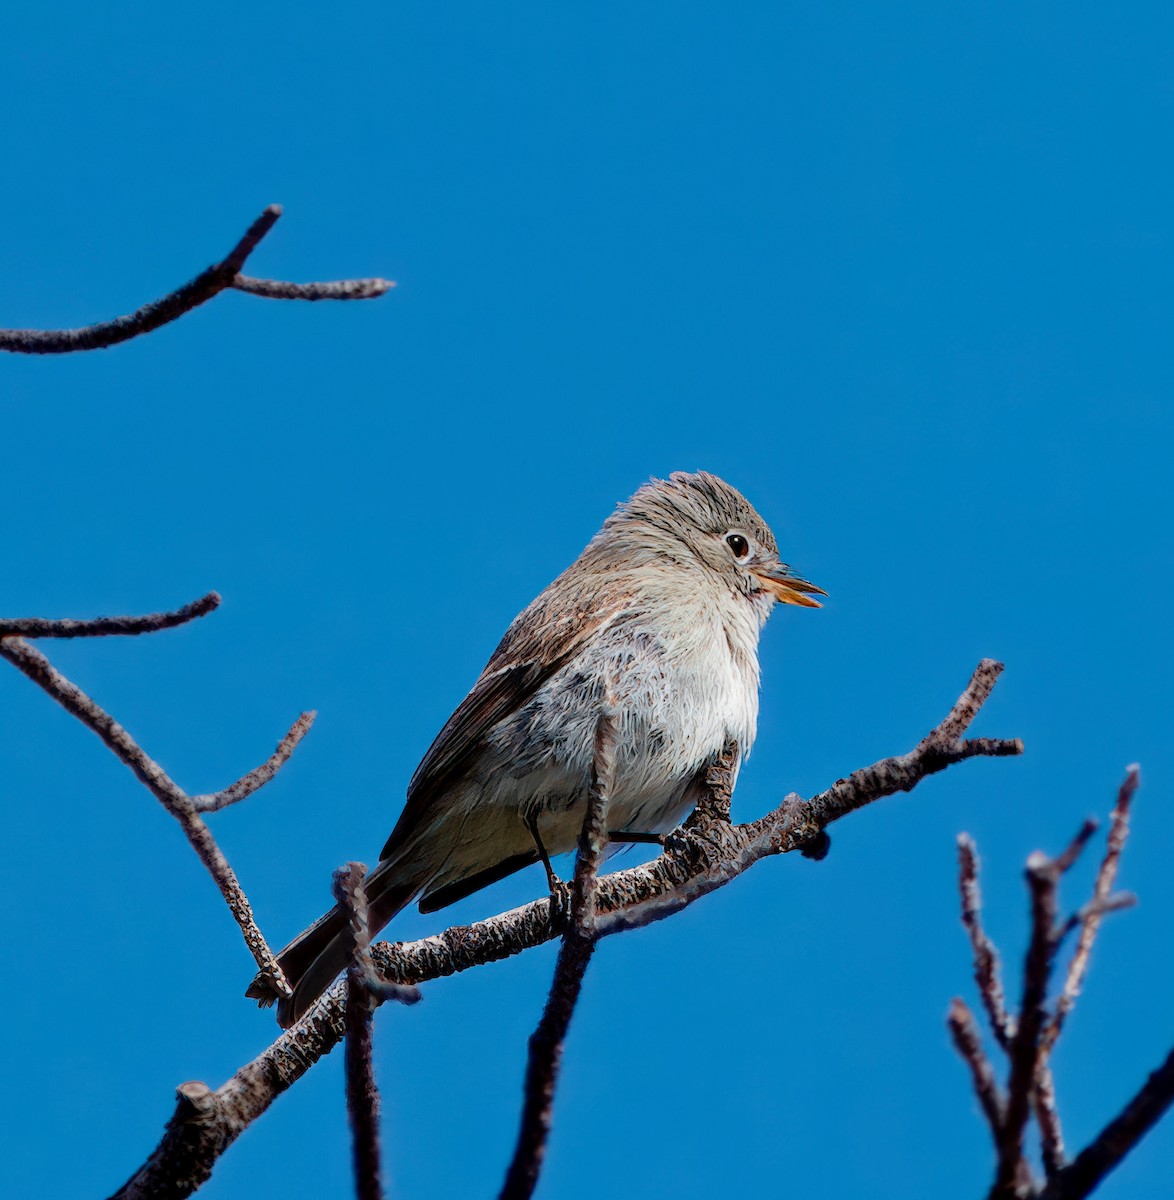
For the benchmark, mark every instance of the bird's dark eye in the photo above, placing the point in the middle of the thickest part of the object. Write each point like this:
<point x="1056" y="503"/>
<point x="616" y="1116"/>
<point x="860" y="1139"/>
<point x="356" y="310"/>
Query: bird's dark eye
<point x="739" y="545"/>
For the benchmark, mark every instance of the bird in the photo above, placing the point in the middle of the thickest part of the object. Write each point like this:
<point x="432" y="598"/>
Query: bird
<point x="659" y="618"/>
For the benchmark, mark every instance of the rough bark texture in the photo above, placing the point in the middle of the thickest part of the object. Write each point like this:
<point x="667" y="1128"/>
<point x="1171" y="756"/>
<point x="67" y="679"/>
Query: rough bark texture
<point x="706" y="853"/>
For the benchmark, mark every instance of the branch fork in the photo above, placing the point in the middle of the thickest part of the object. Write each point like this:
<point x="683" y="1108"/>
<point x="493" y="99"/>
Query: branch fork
<point x="708" y="852"/>
<point x="187" y="810"/>
<point x="1028" y="1038"/>
<point x="210" y="282"/>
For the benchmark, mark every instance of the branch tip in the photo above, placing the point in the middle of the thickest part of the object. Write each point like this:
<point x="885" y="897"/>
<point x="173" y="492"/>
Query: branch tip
<point x="69" y="627"/>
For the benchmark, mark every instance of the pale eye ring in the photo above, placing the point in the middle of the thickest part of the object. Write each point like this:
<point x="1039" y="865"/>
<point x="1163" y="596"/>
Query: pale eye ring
<point x="739" y="545"/>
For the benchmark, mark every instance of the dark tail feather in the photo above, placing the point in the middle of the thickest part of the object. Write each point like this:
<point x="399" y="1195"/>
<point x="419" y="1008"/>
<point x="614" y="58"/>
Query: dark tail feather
<point x="318" y="954"/>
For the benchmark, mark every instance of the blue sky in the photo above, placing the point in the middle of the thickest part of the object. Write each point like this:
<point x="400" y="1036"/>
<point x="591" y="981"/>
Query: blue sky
<point x="900" y="272"/>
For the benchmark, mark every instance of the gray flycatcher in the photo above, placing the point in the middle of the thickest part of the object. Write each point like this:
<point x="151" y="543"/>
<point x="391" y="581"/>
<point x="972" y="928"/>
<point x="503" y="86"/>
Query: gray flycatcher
<point x="661" y="613"/>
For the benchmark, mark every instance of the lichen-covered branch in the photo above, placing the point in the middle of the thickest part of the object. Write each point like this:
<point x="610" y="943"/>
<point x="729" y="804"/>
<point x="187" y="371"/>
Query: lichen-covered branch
<point x="208" y="283"/>
<point x="706" y="853"/>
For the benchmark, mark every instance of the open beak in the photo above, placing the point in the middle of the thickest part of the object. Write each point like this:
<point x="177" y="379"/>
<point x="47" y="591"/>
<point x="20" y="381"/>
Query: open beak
<point x="786" y="586"/>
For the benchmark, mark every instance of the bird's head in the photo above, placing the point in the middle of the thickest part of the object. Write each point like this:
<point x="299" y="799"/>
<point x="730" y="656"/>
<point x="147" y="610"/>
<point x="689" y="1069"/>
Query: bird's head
<point x="699" y="519"/>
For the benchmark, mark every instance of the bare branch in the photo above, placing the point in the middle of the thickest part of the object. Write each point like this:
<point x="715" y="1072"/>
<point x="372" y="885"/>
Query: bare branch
<point x="1095" y="909"/>
<point x="1110" y="1146"/>
<point x="940" y="748"/>
<point x="1106" y="877"/>
<point x="362" y="1094"/>
<point x="1029" y="1039"/>
<point x="694" y="862"/>
<point x="546" y="1043"/>
<point x="258" y="777"/>
<point x="209" y="282"/>
<point x="1088" y="920"/>
<point x="986" y="958"/>
<point x="40" y="627"/>
<point x="337" y="289"/>
<point x="968" y="1043"/>
<point x="351" y="892"/>
<point x="1043" y="875"/>
<point x="1067" y="859"/>
<point x="966" y="707"/>
<point x="32" y="663"/>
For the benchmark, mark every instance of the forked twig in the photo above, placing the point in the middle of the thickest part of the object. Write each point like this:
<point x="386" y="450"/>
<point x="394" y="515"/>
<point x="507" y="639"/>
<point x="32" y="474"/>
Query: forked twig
<point x="210" y="282"/>
<point x="1043" y="875"/>
<point x="33" y="664"/>
<point x="1029" y="1038"/>
<point x="1102" y="888"/>
<point x="1088" y="919"/>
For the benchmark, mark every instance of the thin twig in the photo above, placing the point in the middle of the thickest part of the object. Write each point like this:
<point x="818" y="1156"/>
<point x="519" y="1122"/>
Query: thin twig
<point x="1043" y="1085"/>
<point x="362" y="1094"/>
<point x="258" y="777"/>
<point x="1067" y="858"/>
<point x="1042" y="878"/>
<point x="968" y="1042"/>
<point x="1029" y="1083"/>
<point x="40" y="627"/>
<point x="1106" y="877"/>
<point x="546" y="1043"/>
<point x="1088" y="920"/>
<point x="1095" y="909"/>
<point x="692" y="865"/>
<point x="209" y="282"/>
<point x="987" y="973"/>
<point x="1029" y="1039"/>
<point x="940" y="748"/>
<point x="1047" y="1116"/>
<point x="32" y="663"/>
<point x="336" y="289"/>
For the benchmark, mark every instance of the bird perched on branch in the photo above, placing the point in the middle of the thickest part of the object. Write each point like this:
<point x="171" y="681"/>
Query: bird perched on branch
<point x="661" y="613"/>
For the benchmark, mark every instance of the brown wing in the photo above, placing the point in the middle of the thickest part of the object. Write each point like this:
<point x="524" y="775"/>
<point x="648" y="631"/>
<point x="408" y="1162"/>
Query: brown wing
<point x="543" y="639"/>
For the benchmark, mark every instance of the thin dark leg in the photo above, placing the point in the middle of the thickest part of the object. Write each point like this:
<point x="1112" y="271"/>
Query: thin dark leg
<point x="552" y="879"/>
